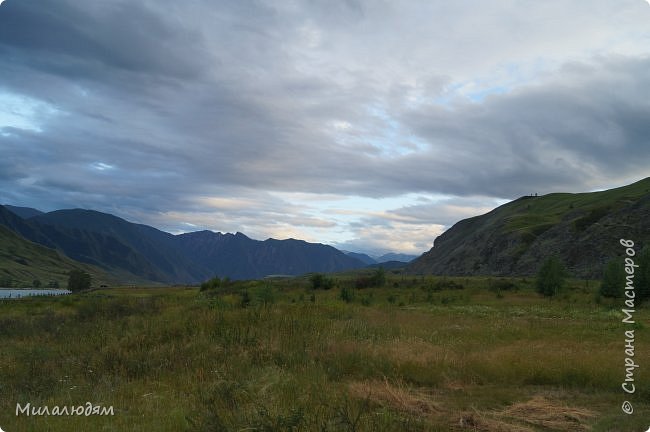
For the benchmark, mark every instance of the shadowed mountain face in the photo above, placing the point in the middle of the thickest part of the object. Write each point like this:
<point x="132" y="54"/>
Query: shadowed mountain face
<point x="513" y="239"/>
<point x="366" y="259"/>
<point x="91" y="247"/>
<point x="152" y="253"/>
<point x="119" y="246"/>
<point x="23" y="261"/>
<point x="23" y="212"/>
<point x="239" y="257"/>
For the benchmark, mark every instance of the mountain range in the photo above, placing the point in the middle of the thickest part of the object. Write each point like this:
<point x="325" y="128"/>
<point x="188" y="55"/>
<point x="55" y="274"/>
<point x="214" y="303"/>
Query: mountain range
<point x="582" y="229"/>
<point x="389" y="257"/>
<point x="139" y="252"/>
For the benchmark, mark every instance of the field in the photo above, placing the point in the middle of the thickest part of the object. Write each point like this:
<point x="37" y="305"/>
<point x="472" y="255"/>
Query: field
<point x="420" y="354"/>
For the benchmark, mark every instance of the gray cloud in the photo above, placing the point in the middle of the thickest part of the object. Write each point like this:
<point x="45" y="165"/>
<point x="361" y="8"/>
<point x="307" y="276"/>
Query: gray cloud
<point x="140" y="108"/>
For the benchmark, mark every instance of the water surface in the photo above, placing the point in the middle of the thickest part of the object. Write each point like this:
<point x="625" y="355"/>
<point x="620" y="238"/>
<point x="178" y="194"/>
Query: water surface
<point x="17" y="293"/>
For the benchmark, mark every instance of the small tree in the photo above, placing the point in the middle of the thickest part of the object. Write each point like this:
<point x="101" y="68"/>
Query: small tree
<point x="320" y="281"/>
<point x="379" y="277"/>
<point x="550" y="278"/>
<point x="213" y="283"/>
<point x="36" y="283"/>
<point x="613" y="279"/>
<point x="78" y="280"/>
<point x="346" y="294"/>
<point x="643" y="275"/>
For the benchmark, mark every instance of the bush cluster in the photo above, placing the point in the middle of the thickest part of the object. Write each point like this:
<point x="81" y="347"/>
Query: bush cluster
<point x="78" y="280"/>
<point x="214" y="283"/>
<point x="377" y="279"/>
<point x="551" y="276"/>
<point x="446" y="284"/>
<point x="320" y="281"/>
<point x="615" y="278"/>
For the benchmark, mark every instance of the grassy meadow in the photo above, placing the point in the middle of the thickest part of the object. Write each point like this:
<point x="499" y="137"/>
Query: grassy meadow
<point x="420" y="354"/>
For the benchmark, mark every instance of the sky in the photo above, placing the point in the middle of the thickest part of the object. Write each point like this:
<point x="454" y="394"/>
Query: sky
<point x="370" y="125"/>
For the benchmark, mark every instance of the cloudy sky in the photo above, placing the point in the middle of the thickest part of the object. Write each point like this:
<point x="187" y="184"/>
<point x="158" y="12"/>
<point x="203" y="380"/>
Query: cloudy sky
<point x="371" y="125"/>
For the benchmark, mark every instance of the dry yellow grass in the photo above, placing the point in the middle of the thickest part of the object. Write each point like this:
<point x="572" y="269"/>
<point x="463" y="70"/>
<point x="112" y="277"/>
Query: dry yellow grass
<point x="539" y="412"/>
<point x="396" y="396"/>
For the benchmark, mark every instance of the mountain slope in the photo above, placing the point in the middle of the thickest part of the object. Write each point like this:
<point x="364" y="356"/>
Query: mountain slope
<point x="23" y="212"/>
<point x="240" y="257"/>
<point x="405" y="258"/>
<point x="23" y="262"/>
<point x="88" y="247"/>
<point x="513" y="239"/>
<point x="366" y="259"/>
<point x="140" y="249"/>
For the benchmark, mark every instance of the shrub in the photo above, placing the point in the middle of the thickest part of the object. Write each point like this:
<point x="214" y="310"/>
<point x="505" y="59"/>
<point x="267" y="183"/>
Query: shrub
<point x="613" y="279"/>
<point x="377" y="279"/>
<point x="346" y="294"/>
<point x="446" y="284"/>
<point x="550" y="278"/>
<point x="503" y="285"/>
<point x="320" y="281"/>
<point x="213" y="283"/>
<point x="363" y="282"/>
<point x="78" y="280"/>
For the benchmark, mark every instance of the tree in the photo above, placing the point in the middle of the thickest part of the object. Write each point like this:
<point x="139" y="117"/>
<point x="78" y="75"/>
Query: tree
<point x="379" y="277"/>
<point x="550" y="278"/>
<point x="78" y="280"/>
<point x="213" y="283"/>
<point x="320" y="281"/>
<point x="613" y="279"/>
<point x="346" y="294"/>
<point x="36" y="283"/>
<point x="642" y="286"/>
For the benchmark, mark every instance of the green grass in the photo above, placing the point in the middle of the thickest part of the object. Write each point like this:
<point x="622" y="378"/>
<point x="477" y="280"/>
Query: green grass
<point x="22" y="262"/>
<point x="536" y="215"/>
<point x="422" y="353"/>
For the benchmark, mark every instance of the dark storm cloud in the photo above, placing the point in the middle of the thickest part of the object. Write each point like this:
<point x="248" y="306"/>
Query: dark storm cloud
<point x="76" y="40"/>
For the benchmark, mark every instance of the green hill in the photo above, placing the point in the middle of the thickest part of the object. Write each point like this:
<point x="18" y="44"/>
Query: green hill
<point x="23" y="262"/>
<point x="582" y="229"/>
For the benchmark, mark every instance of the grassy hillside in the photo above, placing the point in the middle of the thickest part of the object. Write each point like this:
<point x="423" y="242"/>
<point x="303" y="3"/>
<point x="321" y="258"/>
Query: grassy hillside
<point x="23" y="262"/>
<point x="422" y="354"/>
<point x="583" y="229"/>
